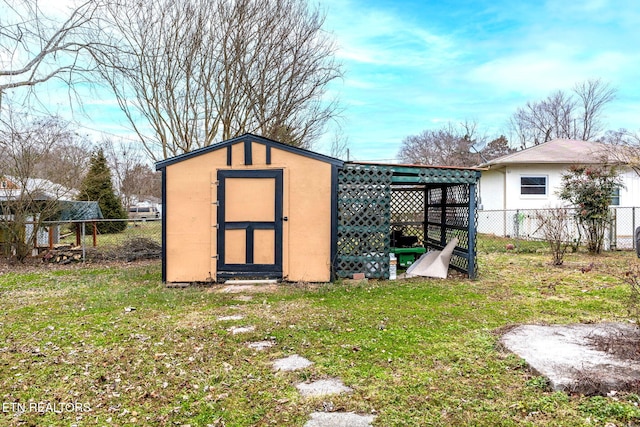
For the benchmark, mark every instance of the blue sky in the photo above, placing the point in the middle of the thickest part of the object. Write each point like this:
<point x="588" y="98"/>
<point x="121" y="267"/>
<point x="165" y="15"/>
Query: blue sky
<point x="416" y="65"/>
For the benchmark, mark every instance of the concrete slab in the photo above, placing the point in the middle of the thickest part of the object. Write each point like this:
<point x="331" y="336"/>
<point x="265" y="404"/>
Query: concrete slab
<point x="248" y="288"/>
<point x="241" y="329"/>
<point x="323" y="388"/>
<point x="570" y="357"/>
<point x="291" y="363"/>
<point x="260" y="345"/>
<point x="339" y="419"/>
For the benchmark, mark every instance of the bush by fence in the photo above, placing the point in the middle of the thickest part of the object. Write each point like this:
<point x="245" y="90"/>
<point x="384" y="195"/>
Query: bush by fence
<point x="524" y="224"/>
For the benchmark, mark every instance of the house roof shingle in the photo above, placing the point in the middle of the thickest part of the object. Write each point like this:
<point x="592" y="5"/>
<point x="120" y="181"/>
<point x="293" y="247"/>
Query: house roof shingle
<point x="559" y="151"/>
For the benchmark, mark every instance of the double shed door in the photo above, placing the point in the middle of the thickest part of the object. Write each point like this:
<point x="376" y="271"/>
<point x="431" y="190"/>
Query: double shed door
<point x="249" y="237"/>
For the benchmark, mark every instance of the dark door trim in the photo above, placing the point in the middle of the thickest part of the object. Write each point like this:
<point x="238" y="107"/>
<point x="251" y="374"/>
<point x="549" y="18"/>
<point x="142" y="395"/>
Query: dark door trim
<point x="249" y="269"/>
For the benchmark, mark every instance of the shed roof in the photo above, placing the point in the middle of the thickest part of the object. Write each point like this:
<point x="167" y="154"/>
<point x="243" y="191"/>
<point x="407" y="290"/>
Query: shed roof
<point x="557" y="151"/>
<point x="79" y="210"/>
<point x="248" y="137"/>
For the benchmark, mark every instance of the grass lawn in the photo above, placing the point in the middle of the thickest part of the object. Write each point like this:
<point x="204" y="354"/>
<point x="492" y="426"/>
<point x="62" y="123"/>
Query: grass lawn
<point x="130" y="351"/>
<point x="146" y="229"/>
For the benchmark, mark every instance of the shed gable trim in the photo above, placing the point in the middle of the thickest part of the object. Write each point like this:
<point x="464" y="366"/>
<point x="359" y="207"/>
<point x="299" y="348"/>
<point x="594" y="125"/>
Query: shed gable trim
<point x="247" y="139"/>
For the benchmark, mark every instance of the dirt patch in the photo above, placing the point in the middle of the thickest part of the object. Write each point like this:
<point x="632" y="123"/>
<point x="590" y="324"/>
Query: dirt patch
<point x="248" y="289"/>
<point x="195" y="320"/>
<point x="37" y="265"/>
<point x="623" y="344"/>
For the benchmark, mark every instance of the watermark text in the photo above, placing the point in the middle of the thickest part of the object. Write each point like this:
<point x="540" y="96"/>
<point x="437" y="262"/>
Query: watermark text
<point x="45" y="407"/>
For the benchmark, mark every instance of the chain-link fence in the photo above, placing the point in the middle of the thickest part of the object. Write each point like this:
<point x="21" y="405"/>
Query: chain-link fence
<point x="523" y="224"/>
<point x="65" y="242"/>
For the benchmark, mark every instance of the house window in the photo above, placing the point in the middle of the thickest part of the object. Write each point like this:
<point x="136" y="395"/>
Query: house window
<point x="615" y="197"/>
<point x="533" y="185"/>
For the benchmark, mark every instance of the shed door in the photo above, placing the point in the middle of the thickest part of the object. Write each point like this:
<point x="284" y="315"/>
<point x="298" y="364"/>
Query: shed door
<point x="249" y="223"/>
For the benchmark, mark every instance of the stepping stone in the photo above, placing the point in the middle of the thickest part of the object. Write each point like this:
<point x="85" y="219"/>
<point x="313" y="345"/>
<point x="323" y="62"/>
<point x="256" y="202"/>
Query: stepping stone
<point x="241" y="329"/>
<point x="244" y="298"/>
<point x="291" y="363"/>
<point x="339" y="419"/>
<point x="323" y="387"/>
<point x="260" y="345"/>
<point x="232" y="317"/>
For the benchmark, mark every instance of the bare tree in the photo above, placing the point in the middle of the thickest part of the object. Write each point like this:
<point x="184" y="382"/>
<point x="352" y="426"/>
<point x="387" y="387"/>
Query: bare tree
<point x="189" y="73"/>
<point x="625" y="148"/>
<point x="26" y="201"/>
<point x="576" y="115"/>
<point x="340" y="145"/>
<point x="133" y="178"/>
<point x="450" y="145"/>
<point x="593" y="96"/>
<point x="139" y="183"/>
<point x="36" y="47"/>
<point x="65" y="163"/>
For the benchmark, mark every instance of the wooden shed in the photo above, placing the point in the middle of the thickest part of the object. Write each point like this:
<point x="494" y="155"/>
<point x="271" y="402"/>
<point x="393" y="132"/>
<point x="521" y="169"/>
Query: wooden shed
<point x="256" y="208"/>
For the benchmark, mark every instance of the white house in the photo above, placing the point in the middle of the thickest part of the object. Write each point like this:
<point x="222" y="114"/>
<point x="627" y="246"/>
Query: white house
<point x="531" y="178"/>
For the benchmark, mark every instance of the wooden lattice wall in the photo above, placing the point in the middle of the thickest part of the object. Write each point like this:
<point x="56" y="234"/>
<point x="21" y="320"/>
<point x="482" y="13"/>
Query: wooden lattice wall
<point x="364" y="200"/>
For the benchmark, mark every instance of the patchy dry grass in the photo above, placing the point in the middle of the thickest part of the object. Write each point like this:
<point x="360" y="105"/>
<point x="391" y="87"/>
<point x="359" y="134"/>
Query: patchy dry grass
<point x="416" y="352"/>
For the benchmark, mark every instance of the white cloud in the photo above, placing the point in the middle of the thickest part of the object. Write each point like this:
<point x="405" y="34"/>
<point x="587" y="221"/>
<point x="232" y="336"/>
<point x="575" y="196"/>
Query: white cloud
<point x="553" y="68"/>
<point x="381" y="38"/>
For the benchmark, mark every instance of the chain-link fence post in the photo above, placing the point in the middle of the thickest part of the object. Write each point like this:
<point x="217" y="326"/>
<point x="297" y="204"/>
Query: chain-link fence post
<point x="633" y="226"/>
<point x="612" y="229"/>
<point x="516" y="227"/>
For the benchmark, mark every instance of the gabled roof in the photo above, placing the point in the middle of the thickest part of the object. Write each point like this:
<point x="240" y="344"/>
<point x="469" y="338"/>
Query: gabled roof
<point x="39" y="189"/>
<point x="79" y="210"/>
<point x="557" y="151"/>
<point x="248" y="137"/>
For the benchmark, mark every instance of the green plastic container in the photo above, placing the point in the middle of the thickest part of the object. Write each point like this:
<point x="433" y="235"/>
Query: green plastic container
<point x="407" y="256"/>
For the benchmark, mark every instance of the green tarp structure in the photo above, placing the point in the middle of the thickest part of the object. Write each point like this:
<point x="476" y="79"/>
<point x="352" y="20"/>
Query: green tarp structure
<point x="79" y="211"/>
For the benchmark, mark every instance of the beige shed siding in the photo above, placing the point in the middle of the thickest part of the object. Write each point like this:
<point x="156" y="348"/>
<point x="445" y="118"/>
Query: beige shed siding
<point x="307" y="202"/>
<point x="259" y="152"/>
<point x="188" y="218"/>
<point x="190" y="214"/>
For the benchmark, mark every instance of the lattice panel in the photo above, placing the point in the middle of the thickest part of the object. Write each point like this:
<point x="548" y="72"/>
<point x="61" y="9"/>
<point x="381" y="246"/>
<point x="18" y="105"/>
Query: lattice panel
<point x="448" y="176"/>
<point x="407" y="205"/>
<point x="455" y="206"/>
<point x="407" y="216"/>
<point x="434" y="195"/>
<point x="364" y="206"/>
